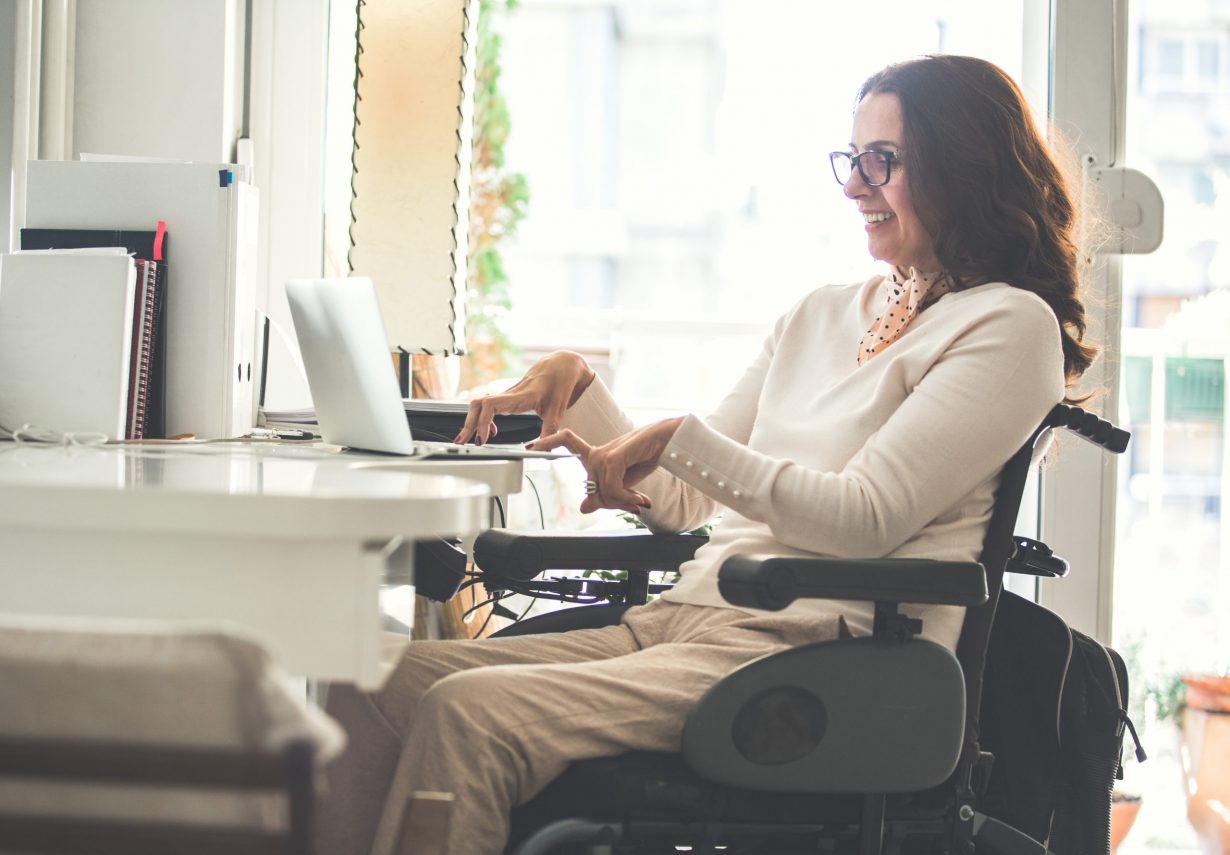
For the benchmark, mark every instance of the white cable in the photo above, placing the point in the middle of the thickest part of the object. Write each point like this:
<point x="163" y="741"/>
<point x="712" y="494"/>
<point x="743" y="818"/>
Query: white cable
<point x="43" y="435"/>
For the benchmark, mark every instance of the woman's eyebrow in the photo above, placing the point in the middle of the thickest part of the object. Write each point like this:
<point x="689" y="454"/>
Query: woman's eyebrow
<point x="874" y="144"/>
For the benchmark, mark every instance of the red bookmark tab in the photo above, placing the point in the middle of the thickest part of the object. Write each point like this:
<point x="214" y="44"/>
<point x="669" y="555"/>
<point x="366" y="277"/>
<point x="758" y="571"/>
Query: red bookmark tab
<point x="158" y="236"/>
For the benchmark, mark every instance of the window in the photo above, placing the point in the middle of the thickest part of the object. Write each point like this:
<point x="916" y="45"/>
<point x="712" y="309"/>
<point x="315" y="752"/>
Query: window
<point x="1172" y="561"/>
<point x="680" y="193"/>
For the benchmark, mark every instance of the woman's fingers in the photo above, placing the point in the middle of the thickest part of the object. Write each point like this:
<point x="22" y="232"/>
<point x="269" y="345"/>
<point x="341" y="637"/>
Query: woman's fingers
<point x="563" y="439"/>
<point x="479" y="425"/>
<point x="610" y="470"/>
<point x="481" y="413"/>
<point x="630" y="501"/>
<point x="607" y="467"/>
<point x="594" y="503"/>
<point x="468" y="426"/>
<point x="552" y="414"/>
<point x="488" y="407"/>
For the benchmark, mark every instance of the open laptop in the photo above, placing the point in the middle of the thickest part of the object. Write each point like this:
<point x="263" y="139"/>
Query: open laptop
<point x="346" y="356"/>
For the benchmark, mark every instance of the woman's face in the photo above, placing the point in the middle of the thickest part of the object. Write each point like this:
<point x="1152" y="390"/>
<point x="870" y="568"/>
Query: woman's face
<point x="894" y="233"/>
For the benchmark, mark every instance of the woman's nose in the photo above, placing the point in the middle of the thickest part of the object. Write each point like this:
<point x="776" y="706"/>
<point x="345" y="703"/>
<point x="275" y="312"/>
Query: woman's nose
<point x="855" y="187"/>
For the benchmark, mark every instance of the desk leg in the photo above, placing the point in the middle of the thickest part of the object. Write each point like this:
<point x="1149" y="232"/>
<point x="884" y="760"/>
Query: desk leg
<point x="379" y="654"/>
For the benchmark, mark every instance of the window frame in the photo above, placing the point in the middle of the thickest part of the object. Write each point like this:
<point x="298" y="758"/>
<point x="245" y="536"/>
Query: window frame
<point x="1077" y="503"/>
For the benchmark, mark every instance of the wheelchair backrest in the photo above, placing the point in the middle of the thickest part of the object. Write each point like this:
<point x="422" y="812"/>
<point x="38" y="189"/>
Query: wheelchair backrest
<point x="998" y="547"/>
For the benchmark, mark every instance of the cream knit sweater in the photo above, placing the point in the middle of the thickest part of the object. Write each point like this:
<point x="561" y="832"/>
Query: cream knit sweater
<point x="811" y="453"/>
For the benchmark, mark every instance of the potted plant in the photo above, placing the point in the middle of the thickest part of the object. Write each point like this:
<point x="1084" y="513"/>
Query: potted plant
<point x="1123" y="810"/>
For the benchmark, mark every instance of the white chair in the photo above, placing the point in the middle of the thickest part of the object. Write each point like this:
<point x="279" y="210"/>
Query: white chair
<point x="137" y="737"/>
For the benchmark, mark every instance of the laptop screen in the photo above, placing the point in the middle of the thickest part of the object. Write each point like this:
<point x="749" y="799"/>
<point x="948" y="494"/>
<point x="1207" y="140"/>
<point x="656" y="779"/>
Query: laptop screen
<point x="346" y="356"/>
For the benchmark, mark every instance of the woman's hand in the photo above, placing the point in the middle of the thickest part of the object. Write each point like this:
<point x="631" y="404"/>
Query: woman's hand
<point x="551" y="386"/>
<point x="615" y="468"/>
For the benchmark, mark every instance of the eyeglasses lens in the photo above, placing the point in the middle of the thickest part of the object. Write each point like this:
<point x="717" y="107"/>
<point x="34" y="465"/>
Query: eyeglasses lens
<point x="874" y="167"/>
<point x="842" y="166"/>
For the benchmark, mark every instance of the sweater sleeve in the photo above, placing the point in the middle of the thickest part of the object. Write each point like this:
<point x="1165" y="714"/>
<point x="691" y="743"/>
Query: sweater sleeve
<point x="970" y="412"/>
<point x="732" y="422"/>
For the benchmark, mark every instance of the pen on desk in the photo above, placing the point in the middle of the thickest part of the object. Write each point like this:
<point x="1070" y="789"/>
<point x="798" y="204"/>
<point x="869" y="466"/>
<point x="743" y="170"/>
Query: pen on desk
<point x="292" y="435"/>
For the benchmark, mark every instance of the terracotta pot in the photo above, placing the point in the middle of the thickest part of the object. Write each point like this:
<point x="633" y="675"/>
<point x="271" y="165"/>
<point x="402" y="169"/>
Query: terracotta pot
<point x="1123" y="812"/>
<point x="1206" y="761"/>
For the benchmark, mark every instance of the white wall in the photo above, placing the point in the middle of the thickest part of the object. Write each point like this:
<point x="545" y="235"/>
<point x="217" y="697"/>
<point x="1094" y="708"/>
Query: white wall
<point x="287" y="95"/>
<point x="159" y="79"/>
<point x="8" y="47"/>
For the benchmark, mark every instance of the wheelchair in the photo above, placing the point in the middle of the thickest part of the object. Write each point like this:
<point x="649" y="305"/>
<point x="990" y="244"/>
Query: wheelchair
<point x="858" y="745"/>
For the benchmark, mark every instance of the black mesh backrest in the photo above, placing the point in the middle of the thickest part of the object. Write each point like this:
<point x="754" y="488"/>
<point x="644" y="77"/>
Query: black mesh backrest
<point x="997" y="548"/>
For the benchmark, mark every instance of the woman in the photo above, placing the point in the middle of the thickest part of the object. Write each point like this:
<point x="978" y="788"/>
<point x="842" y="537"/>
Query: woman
<point x="874" y="423"/>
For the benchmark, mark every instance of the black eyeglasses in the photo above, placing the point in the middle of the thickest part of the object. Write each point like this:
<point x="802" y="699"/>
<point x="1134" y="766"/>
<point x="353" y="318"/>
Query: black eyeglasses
<point x="874" y="167"/>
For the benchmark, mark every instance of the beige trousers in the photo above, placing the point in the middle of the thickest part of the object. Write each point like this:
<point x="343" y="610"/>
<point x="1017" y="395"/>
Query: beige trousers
<point x="494" y="721"/>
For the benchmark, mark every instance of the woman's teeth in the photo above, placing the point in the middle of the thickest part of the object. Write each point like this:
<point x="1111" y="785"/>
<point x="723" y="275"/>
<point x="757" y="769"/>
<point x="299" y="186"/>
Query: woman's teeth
<point x="878" y="218"/>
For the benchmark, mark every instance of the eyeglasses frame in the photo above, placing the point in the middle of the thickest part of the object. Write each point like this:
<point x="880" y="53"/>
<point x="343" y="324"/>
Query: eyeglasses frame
<point x="890" y="157"/>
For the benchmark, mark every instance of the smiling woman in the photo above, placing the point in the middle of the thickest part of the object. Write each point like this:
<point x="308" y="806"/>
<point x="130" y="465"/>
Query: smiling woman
<point x="922" y="384"/>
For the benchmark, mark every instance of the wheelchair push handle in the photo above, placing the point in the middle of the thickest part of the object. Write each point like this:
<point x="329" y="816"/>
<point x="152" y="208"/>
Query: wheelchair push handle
<point x="1089" y="427"/>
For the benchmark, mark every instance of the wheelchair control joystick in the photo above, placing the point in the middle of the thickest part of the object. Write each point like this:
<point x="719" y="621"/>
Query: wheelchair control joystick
<point x="890" y="623"/>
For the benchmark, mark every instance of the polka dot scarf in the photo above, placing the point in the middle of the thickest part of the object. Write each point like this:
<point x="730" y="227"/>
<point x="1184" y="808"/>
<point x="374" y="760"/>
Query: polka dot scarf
<point x="907" y="297"/>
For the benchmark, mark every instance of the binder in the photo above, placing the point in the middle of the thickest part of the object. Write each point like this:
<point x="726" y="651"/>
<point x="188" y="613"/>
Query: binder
<point x="211" y="307"/>
<point x="66" y="325"/>
<point x="147" y="400"/>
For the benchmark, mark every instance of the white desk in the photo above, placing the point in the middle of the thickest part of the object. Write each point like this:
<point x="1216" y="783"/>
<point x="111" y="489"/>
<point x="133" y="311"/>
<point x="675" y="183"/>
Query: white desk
<point x="291" y="542"/>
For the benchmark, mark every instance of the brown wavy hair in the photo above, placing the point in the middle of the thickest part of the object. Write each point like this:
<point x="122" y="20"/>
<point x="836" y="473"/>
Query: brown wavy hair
<point x="988" y="190"/>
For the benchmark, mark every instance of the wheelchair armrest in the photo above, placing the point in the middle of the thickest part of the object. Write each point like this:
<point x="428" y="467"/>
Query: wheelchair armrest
<point x="522" y="555"/>
<point x="775" y="581"/>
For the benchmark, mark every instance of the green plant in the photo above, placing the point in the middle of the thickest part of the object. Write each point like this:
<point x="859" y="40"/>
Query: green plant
<point x="703" y="530"/>
<point x="1166" y="697"/>
<point x="498" y="202"/>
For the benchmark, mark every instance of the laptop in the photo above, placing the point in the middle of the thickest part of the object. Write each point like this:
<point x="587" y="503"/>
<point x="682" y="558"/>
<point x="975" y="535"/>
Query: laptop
<point x="346" y="356"/>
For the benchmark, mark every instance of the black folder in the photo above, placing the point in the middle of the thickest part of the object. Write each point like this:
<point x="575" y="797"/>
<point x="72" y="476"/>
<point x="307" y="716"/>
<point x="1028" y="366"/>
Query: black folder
<point x="443" y="420"/>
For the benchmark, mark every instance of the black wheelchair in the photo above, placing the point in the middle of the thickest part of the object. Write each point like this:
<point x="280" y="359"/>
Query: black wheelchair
<point x="860" y="745"/>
